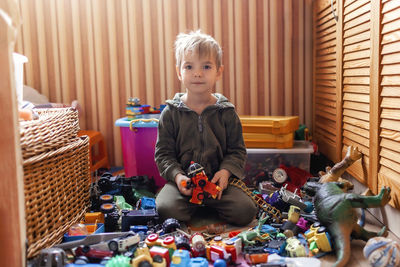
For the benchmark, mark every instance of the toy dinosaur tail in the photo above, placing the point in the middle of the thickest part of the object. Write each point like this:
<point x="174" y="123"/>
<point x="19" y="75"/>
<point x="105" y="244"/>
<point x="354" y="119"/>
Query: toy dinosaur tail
<point x="341" y="236"/>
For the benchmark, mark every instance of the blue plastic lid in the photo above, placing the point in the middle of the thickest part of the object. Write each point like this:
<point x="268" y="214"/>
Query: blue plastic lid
<point x="143" y="120"/>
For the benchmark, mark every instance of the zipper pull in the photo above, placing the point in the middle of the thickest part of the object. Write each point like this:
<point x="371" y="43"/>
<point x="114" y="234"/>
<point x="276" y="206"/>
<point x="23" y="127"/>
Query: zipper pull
<point x="200" y="125"/>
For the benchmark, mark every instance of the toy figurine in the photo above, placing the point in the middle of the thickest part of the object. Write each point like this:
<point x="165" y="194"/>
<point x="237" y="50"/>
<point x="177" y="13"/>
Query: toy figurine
<point x="335" y="210"/>
<point x="199" y="182"/>
<point x="333" y="174"/>
<point x="249" y="237"/>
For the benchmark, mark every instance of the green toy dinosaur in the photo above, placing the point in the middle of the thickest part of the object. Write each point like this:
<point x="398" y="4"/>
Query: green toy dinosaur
<point x="335" y="210"/>
<point x="248" y="237"/>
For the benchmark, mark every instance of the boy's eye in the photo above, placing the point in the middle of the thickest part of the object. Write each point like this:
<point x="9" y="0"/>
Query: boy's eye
<point x="207" y="67"/>
<point x="188" y="67"/>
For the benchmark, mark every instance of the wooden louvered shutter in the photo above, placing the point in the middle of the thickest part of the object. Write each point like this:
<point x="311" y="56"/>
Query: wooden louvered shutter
<point x="389" y="168"/>
<point x="368" y="84"/>
<point x="326" y="123"/>
<point x="356" y="82"/>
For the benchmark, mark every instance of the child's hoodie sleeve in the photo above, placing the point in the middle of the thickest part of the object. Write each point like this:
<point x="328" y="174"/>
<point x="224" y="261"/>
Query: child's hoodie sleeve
<point x="165" y="155"/>
<point x="236" y="154"/>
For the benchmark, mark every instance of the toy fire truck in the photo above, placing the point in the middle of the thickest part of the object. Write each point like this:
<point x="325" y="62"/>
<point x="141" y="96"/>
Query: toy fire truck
<point x="199" y="182"/>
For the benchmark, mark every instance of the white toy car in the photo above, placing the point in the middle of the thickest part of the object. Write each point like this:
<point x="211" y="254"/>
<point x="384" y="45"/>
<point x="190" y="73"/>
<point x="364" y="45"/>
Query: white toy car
<point x="121" y="244"/>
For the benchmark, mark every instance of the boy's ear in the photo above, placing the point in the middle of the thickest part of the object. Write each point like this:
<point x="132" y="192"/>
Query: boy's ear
<point x="219" y="72"/>
<point x="178" y="72"/>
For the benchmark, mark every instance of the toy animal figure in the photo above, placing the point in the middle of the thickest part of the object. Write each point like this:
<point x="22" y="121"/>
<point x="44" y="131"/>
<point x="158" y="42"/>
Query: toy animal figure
<point x="335" y="210"/>
<point x="200" y="184"/>
<point x="333" y="174"/>
<point x="249" y="237"/>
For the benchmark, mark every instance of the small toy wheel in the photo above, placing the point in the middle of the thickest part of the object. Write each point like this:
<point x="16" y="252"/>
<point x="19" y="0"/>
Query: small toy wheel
<point x="107" y="208"/>
<point x="158" y="258"/>
<point x="279" y="176"/>
<point x="106" y="198"/>
<point x="202" y="183"/>
<point x="200" y="196"/>
<point x="85" y="249"/>
<point x="113" y="246"/>
<point x="81" y="260"/>
<point x="182" y="242"/>
<point x="170" y="225"/>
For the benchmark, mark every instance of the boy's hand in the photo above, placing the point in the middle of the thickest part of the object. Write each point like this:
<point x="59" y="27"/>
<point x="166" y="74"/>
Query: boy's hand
<point x="181" y="180"/>
<point x="221" y="178"/>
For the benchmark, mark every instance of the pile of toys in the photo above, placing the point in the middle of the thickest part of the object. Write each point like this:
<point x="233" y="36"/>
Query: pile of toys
<point x="134" y="108"/>
<point x="134" y="236"/>
<point x="127" y="230"/>
<point x="290" y="227"/>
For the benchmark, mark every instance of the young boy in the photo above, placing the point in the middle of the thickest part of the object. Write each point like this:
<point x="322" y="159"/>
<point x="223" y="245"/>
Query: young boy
<point x="202" y="127"/>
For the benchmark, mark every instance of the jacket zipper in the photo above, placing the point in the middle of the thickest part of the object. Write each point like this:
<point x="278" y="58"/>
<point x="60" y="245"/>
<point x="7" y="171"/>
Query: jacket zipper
<point x="200" y="128"/>
<point x="200" y="124"/>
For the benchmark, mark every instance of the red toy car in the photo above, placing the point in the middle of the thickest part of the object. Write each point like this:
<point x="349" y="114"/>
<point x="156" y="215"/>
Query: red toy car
<point x="94" y="255"/>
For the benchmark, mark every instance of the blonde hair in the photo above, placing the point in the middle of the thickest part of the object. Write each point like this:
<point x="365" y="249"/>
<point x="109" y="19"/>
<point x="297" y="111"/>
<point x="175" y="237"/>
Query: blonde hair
<point x="202" y="44"/>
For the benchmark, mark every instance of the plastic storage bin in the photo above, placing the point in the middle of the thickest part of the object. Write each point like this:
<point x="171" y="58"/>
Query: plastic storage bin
<point x="138" y="138"/>
<point x="269" y="124"/>
<point x="266" y="140"/>
<point x="267" y="160"/>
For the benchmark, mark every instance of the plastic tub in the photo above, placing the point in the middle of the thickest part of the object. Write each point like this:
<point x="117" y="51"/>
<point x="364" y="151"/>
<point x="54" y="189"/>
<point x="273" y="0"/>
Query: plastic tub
<point x="266" y="140"/>
<point x="267" y="160"/>
<point x="138" y="138"/>
<point x="269" y="124"/>
<point x="92" y="228"/>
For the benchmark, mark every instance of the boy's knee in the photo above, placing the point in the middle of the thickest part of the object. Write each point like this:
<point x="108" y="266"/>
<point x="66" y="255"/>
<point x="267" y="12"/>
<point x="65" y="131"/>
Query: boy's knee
<point x="246" y="216"/>
<point x="166" y="210"/>
<point x="241" y="215"/>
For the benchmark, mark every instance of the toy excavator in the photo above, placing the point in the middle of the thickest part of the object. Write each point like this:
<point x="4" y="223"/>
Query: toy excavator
<point x="199" y="182"/>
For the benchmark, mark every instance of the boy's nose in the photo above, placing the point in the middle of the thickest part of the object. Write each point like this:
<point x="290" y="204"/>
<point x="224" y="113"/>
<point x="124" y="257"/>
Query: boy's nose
<point x="198" y="73"/>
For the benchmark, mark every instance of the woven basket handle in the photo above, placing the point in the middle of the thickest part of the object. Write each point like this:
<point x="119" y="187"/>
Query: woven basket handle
<point x="141" y="120"/>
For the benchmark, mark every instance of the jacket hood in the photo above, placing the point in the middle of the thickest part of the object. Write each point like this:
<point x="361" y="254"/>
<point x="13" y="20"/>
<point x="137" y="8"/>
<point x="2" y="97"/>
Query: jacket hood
<point x="222" y="102"/>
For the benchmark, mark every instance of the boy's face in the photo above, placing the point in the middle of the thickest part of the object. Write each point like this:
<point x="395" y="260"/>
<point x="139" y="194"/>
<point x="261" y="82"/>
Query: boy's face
<point x="198" y="75"/>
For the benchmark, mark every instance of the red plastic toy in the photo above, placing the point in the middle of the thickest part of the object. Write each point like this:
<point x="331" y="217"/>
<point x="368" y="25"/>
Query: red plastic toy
<point x="199" y="182"/>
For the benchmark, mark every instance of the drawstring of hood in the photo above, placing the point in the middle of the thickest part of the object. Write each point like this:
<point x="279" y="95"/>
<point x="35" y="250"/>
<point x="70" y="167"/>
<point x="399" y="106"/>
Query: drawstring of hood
<point x="222" y="102"/>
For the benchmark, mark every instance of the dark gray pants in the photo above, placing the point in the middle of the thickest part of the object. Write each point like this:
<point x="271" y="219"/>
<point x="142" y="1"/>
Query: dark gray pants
<point x="235" y="207"/>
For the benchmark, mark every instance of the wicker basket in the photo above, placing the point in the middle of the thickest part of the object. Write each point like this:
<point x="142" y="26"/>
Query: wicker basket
<point x="55" y="128"/>
<point x="57" y="185"/>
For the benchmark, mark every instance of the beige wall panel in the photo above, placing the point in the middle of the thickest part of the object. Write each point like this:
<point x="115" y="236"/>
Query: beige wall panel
<point x="103" y="52"/>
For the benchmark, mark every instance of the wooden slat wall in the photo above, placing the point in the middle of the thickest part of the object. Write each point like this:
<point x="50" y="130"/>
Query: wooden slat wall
<point x="356" y="81"/>
<point x="103" y="52"/>
<point x="389" y="171"/>
<point x="369" y="85"/>
<point x="325" y="93"/>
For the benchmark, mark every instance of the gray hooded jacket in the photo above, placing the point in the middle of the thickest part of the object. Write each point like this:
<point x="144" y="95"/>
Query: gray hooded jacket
<point x="213" y="139"/>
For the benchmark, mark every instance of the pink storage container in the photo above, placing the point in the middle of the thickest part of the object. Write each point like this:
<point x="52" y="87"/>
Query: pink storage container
<point x="138" y="138"/>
